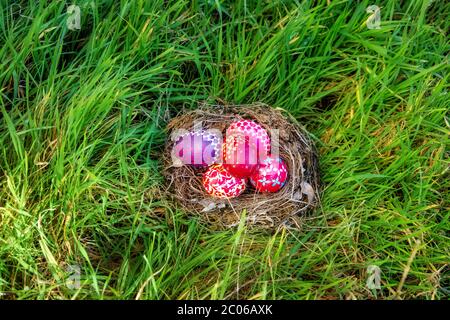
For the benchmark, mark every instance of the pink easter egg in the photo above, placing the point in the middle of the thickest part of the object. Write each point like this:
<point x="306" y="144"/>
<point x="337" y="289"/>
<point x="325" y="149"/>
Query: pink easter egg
<point x="198" y="148"/>
<point x="246" y="144"/>
<point x="270" y="176"/>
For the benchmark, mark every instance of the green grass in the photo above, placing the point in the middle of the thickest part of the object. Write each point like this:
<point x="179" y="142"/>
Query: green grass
<point x="82" y="118"/>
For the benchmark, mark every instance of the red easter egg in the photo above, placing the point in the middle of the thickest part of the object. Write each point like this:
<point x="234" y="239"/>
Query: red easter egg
<point x="246" y="144"/>
<point x="238" y="160"/>
<point x="198" y="148"/>
<point x="219" y="183"/>
<point x="270" y="176"/>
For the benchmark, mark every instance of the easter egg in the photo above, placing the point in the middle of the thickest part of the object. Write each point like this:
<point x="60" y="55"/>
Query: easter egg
<point x="239" y="162"/>
<point x="246" y="144"/>
<point x="248" y="131"/>
<point x="219" y="183"/>
<point x="198" y="148"/>
<point x="270" y="176"/>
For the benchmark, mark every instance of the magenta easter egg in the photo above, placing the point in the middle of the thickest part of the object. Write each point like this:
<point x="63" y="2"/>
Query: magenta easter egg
<point x="251" y="133"/>
<point x="198" y="148"/>
<point x="219" y="183"/>
<point x="246" y="145"/>
<point x="270" y="176"/>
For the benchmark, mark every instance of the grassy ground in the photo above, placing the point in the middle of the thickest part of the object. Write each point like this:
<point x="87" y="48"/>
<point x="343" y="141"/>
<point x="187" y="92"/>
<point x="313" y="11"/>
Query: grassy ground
<point x="82" y="116"/>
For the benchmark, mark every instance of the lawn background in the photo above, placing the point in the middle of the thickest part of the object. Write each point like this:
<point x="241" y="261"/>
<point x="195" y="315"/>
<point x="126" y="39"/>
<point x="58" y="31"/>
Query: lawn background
<point x="82" y="117"/>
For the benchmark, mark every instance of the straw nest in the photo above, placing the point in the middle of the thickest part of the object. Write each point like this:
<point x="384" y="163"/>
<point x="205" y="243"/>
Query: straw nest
<point x="260" y="210"/>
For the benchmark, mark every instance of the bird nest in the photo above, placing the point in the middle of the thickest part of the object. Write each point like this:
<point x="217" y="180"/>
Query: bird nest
<point x="257" y="210"/>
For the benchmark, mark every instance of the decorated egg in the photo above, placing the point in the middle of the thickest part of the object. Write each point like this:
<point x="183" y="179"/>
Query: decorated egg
<point x="219" y="183"/>
<point x="198" y="148"/>
<point x="270" y="176"/>
<point x="238" y="162"/>
<point x="246" y="144"/>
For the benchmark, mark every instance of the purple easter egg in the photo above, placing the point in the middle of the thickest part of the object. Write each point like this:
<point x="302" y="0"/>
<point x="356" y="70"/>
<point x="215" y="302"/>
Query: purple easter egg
<point x="198" y="148"/>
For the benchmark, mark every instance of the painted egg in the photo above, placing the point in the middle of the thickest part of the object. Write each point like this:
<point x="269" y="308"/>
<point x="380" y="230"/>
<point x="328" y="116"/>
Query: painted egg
<point x="219" y="183"/>
<point x="253" y="133"/>
<point x="246" y="144"/>
<point x="239" y="162"/>
<point x="198" y="148"/>
<point x="270" y="176"/>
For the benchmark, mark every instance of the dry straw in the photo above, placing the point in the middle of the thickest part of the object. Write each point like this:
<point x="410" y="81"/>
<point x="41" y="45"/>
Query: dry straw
<point x="260" y="210"/>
